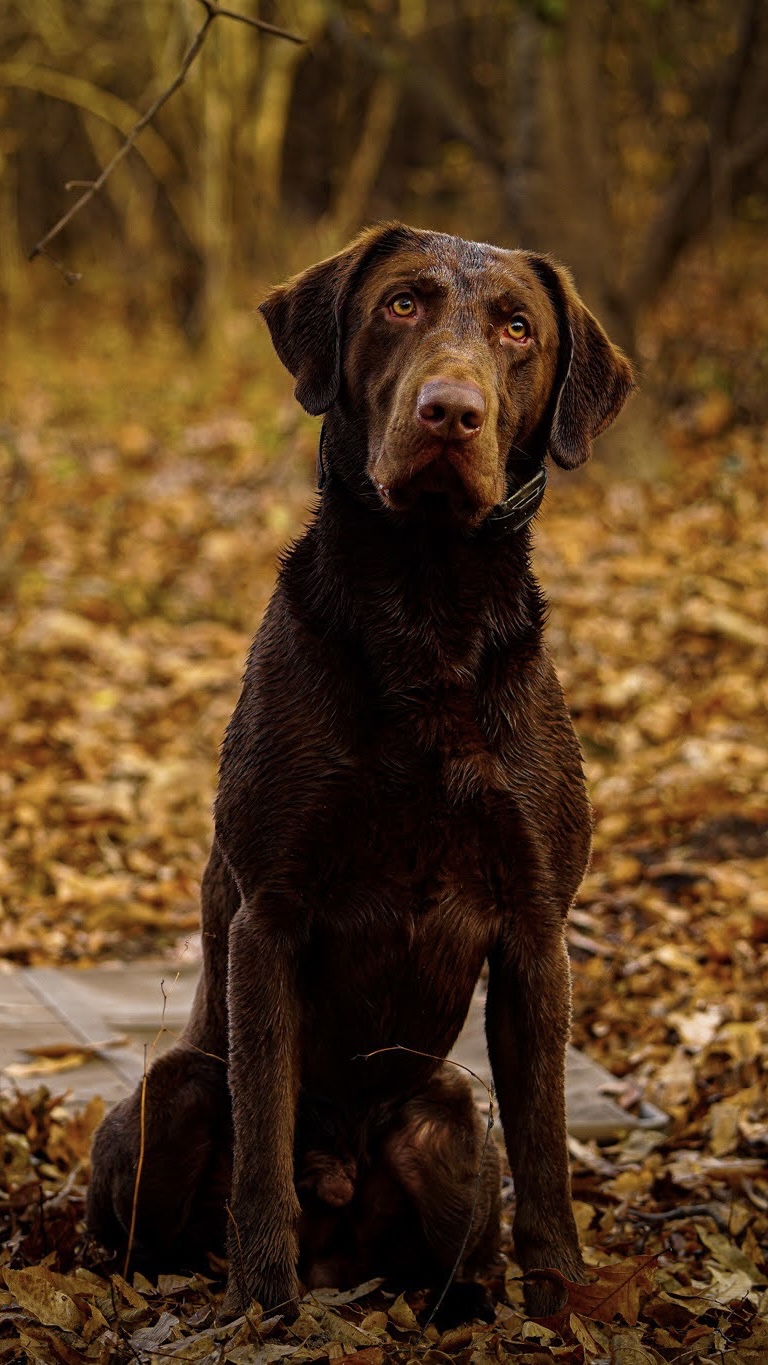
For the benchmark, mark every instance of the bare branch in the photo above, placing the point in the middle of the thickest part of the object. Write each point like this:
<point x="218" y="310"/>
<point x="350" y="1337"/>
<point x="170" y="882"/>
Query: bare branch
<point x="71" y="276"/>
<point x="216" y="10"/>
<point x="212" y="11"/>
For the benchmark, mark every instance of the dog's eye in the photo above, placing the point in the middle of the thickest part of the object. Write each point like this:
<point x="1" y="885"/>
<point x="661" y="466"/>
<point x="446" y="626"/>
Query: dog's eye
<point x="517" y="328"/>
<point x="404" y="306"/>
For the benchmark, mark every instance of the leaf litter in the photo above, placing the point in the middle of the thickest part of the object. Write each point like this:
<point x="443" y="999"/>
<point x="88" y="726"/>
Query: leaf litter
<point x="140" y="558"/>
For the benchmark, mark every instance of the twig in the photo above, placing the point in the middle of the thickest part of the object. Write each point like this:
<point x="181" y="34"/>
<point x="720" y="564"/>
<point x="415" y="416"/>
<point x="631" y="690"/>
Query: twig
<point x="139" y="1166"/>
<point x="143" y="1110"/>
<point x="216" y="10"/>
<point x="241" y="1263"/>
<point x="212" y="11"/>
<point x="682" y="1211"/>
<point x="201" y="1052"/>
<point x="164" y="994"/>
<point x="56" y="1201"/>
<point x="398" y="1047"/>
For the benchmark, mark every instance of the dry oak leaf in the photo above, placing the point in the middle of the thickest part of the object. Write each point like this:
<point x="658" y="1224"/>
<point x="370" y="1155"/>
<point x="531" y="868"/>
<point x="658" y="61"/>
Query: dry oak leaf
<point x="616" y="1290"/>
<point x="39" y="1296"/>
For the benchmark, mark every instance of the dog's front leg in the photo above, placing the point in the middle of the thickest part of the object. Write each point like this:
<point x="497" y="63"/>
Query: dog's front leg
<point x="528" y="1025"/>
<point x="264" y="1082"/>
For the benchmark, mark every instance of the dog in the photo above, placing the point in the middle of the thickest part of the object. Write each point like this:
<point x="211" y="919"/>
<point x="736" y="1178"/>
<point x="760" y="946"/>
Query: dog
<point x="401" y="800"/>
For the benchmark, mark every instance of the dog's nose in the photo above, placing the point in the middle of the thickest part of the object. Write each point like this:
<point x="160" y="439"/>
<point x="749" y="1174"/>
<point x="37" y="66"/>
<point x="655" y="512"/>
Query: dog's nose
<point x="453" y="411"/>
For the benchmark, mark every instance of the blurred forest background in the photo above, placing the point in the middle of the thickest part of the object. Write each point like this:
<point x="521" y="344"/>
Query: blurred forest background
<point x="153" y="463"/>
<point x="616" y="135"/>
<point x="153" y="460"/>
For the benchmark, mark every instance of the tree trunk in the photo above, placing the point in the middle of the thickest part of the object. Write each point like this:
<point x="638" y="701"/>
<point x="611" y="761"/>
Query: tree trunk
<point x="574" y="208"/>
<point x="11" y="256"/>
<point x="358" y="178"/>
<point x="708" y="182"/>
<point x="268" y="129"/>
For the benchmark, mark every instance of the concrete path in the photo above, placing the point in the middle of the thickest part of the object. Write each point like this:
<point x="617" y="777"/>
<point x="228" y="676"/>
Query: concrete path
<point x="103" y="1018"/>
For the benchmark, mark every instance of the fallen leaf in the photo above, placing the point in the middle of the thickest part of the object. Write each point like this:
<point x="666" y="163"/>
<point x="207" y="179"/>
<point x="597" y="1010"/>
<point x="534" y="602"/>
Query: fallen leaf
<point x="536" y="1331"/>
<point x="617" y="1289"/>
<point x="698" y="1028"/>
<point x="150" y="1338"/>
<point x="403" y="1315"/>
<point x="728" y="1255"/>
<point x="39" y="1296"/>
<point x="584" y="1336"/>
<point x="343" y="1296"/>
<point x="627" y="1348"/>
<point x="65" y="1049"/>
<point x="130" y="1295"/>
<point x="339" y="1329"/>
<point x="50" y="1066"/>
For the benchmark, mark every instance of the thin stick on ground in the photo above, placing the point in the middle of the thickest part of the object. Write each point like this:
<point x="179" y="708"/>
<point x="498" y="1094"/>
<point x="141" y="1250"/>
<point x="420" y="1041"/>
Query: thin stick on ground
<point x="139" y="1167"/>
<point x="143" y="1126"/>
<point x="212" y="12"/>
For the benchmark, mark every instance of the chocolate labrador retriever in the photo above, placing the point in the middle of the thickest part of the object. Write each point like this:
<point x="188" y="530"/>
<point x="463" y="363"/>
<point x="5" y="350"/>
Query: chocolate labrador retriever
<point x="401" y="799"/>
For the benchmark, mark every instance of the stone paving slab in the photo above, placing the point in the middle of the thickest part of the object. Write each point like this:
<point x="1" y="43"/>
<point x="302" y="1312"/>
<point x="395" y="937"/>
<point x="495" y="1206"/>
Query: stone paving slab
<point x="118" y="1010"/>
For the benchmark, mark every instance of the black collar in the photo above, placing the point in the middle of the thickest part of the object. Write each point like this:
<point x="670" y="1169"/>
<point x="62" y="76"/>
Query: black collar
<point x="518" y="509"/>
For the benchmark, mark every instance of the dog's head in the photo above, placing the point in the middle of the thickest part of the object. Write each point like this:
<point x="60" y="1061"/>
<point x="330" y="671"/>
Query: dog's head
<point x="447" y="360"/>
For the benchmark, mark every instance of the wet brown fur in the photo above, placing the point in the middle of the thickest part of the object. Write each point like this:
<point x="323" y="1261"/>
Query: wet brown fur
<point x="401" y="799"/>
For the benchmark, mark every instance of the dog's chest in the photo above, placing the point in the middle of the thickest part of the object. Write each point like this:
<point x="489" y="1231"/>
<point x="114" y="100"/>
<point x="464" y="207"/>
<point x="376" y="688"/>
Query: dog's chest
<point x="426" y="815"/>
<point x="435" y="738"/>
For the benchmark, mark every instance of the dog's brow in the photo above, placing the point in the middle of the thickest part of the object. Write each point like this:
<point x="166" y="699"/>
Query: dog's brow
<point x="428" y="285"/>
<point x="512" y="293"/>
<point x="429" y="281"/>
<point x="433" y="275"/>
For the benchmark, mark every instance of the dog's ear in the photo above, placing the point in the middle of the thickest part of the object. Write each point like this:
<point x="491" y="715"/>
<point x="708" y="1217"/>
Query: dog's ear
<point x="594" y="378"/>
<point x="305" y="317"/>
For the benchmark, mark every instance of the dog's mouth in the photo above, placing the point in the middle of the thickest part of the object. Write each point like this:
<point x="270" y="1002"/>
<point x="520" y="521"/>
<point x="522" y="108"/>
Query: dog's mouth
<point x="436" y="492"/>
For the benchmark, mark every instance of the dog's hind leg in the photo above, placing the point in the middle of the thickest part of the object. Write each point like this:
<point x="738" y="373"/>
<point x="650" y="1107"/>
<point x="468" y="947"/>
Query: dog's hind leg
<point x="184" y="1179"/>
<point x="443" y="1160"/>
<point x="186" y="1122"/>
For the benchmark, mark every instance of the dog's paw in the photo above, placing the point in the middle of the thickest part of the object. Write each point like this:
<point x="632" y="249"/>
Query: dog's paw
<point x="272" y="1289"/>
<point x="539" y="1251"/>
<point x="546" y="1295"/>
